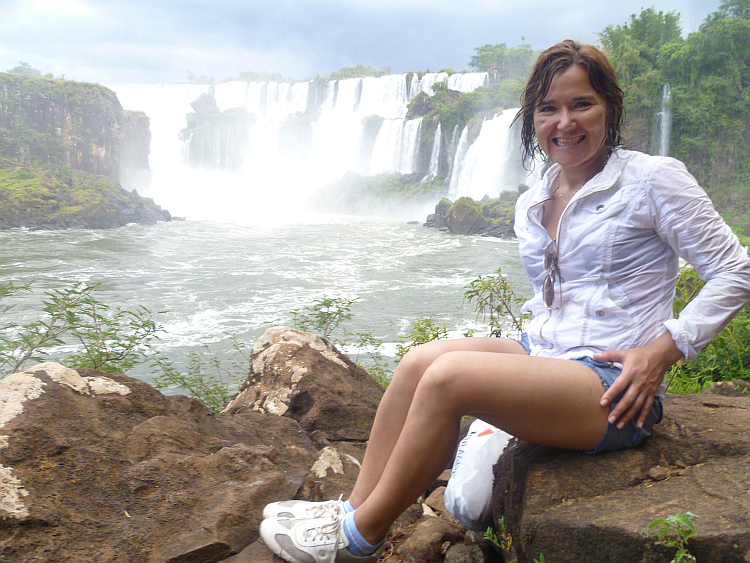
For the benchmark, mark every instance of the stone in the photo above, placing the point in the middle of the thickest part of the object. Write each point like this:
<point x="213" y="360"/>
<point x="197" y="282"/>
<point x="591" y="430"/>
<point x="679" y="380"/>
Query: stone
<point x="698" y="460"/>
<point x="103" y="467"/>
<point x="427" y="544"/>
<point x="304" y="377"/>
<point x="465" y="217"/>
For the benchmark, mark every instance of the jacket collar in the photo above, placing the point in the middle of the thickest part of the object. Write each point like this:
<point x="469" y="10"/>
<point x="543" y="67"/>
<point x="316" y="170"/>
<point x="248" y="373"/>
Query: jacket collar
<point x="603" y="180"/>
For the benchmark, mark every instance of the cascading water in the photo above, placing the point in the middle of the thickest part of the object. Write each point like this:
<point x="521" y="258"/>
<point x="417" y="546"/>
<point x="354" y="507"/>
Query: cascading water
<point x="492" y="163"/>
<point x="435" y="156"/>
<point x="294" y="146"/>
<point x="661" y="135"/>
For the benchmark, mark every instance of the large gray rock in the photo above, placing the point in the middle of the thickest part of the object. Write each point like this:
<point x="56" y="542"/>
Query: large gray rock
<point x="302" y="376"/>
<point x="576" y="508"/>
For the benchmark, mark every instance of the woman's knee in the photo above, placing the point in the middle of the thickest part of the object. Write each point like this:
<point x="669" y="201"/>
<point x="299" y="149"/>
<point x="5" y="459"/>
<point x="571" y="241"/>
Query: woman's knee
<point x="443" y="378"/>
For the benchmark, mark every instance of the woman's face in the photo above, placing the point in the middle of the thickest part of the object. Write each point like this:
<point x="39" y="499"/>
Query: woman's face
<point x="571" y="121"/>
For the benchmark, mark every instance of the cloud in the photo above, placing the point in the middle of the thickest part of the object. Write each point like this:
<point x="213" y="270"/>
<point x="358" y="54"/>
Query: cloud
<point x="113" y="41"/>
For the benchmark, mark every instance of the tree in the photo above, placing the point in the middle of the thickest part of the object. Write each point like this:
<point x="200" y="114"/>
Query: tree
<point x="728" y="9"/>
<point x="639" y="43"/>
<point x="504" y="63"/>
<point x="25" y="69"/>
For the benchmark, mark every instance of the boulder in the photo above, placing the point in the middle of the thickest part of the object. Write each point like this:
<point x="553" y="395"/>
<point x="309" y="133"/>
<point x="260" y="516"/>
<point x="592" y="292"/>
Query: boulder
<point x="465" y="217"/>
<point x="102" y="467"/>
<point x="302" y="376"/>
<point x="697" y="461"/>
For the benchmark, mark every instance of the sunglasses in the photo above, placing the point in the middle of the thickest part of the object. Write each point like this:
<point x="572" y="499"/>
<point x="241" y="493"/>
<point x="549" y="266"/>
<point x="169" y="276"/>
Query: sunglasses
<point x="553" y="272"/>
<point x="548" y="286"/>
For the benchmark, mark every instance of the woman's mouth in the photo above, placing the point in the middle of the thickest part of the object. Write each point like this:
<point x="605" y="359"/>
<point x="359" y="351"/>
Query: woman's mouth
<point x="568" y="142"/>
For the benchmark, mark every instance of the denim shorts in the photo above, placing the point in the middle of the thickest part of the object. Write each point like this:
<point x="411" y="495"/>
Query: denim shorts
<point x="614" y="438"/>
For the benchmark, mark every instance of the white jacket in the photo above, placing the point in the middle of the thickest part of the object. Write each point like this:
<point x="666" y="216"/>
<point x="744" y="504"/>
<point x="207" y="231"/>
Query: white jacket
<point x="619" y="240"/>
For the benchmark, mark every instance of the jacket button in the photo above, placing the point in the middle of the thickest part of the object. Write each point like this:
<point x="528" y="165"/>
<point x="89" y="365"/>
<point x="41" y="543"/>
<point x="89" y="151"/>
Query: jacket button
<point x="599" y="207"/>
<point x="600" y="313"/>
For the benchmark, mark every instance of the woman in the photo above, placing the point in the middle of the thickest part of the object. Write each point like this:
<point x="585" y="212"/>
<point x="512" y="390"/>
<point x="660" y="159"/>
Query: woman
<point x="599" y="236"/>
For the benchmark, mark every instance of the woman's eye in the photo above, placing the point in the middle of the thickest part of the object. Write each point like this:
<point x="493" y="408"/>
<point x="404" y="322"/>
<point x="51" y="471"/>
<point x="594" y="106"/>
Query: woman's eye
<point x="546" y="109"/>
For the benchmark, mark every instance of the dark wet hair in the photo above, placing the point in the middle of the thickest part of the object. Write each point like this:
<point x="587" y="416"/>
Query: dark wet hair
<point x="559" y="58"/>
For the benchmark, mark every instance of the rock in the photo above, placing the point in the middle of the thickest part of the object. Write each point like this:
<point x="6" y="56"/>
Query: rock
<point x="429" y="541"/>
<point x="466" y="553"/>
<point x="102" y="467"/>
<point x="302" y="376"/>
<point x="736" y="388"/>
<point x="465" y="217"/>
<point x="700" y="455"/>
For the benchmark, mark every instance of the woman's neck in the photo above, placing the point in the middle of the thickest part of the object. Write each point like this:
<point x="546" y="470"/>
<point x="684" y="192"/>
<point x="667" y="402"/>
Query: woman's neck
<point x="573" y="178"/>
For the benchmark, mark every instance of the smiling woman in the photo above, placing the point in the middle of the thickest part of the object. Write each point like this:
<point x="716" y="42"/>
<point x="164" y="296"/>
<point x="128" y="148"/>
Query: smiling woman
<point x="599" y="236"/>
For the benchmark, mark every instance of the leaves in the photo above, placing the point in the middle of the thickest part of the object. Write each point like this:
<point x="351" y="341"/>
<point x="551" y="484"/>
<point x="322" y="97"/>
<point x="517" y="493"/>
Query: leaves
<point x="496" y="302"/>
<point x="674" y="531"/>
<point x="112" y="341"/>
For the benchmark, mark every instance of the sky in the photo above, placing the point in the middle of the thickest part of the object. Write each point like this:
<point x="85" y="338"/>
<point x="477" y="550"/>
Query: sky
<point x="158" y="41"/>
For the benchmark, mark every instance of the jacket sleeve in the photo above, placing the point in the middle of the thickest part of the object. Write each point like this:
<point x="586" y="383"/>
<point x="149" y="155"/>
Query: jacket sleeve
<point x="687" y="221"/>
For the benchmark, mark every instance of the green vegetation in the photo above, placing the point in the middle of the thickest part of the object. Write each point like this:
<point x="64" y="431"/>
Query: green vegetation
<point x="359" y="71"/>
<point x="709" y="74"/>
<point x="504" y="542"/>
<point x="423" y="330"/>
<point x="496" y="302"/>
<point x="25" y="69"/>
<point x="674" y="531"/>
<point x="725" y="358"/>
<point x="324" y="315"/>
<point x="38" y="195"/>
<point x="107" y="340"/>
<point x="206" y="377"/>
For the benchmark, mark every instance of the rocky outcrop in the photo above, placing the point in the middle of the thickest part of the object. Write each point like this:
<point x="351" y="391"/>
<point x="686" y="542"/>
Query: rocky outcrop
<point x="66" y="123"/>
<point x="63" y="148"/>
<point x="302" y="376"/>
<point x="698" y="460"/>
<point x="491" y="218"/>
<point x="102" y="467"/>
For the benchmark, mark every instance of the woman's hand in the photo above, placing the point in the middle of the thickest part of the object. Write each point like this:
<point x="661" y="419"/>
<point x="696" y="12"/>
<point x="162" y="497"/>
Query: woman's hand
<point x="643" y="370"/>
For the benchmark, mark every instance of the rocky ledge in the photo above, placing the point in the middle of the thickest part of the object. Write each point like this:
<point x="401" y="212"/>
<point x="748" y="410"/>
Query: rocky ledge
<point x="102" y="467"/>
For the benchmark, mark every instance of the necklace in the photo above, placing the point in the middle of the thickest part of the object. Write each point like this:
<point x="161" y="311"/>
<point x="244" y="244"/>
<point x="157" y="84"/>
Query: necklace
<point x="557" y="187"/>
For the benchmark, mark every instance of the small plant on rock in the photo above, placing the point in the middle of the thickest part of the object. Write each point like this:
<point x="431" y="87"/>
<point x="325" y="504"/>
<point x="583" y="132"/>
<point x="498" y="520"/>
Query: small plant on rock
<point x="324" y="315"/>
<point x="674" y="531"/>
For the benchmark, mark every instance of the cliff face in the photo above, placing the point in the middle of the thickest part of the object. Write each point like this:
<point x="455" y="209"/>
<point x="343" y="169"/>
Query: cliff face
<point x="63" y="148"/>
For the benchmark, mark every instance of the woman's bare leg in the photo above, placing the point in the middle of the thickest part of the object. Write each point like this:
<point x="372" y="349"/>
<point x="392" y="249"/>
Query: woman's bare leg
<point x="542" y="400"/>
<point x="397" y="400"/>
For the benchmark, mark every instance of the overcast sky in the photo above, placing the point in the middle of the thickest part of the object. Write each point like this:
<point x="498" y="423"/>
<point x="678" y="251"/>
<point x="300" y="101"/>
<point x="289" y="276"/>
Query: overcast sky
<point x="158" y="41"/>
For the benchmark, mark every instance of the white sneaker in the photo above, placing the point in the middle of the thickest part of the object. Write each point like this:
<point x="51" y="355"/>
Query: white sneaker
<point x="310" y="540"/>
<point x="296" y="509"/>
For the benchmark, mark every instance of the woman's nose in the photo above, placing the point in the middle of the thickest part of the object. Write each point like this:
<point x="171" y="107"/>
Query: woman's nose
<point x="566" y="120"/>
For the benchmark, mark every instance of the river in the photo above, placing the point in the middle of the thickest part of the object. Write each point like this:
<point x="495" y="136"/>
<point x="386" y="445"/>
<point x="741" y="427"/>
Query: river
<point x="214" y="280"/>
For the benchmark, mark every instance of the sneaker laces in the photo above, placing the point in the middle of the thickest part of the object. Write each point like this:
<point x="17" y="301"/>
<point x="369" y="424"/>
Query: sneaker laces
<point x="332" y="508"/>
<point x="326" y="532"/>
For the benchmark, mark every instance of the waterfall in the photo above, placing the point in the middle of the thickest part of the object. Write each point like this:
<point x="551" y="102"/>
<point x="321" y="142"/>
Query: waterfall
<point x="492" y="163"/>
<point x="435" y="155"/>
<point x="278" y="142"/>
<point x="662" y="122"/>
<point x="460" y="82"/>
<point x="396" y="147"/>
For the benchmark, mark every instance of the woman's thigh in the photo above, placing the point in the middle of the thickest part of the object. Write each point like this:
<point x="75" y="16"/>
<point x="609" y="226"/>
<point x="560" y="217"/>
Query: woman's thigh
<point x="542" y="400"/>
